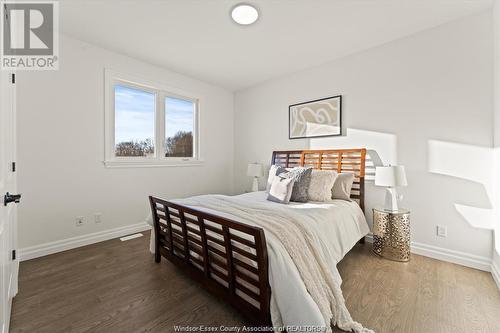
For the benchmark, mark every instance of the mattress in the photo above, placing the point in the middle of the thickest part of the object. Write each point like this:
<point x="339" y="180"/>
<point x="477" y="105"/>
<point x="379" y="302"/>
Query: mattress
<point x="343" y="221"/>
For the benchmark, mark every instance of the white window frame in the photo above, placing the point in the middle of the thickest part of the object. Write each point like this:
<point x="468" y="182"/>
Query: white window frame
<point x="112" y="78"/>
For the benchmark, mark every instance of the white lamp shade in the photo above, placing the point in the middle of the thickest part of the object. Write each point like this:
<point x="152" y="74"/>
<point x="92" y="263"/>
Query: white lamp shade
<point x="390" y="176"/>
<point x="255" y="170"/>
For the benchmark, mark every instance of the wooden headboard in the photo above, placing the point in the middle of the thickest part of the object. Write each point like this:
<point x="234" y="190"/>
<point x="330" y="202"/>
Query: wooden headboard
<point x="340" y="160"/>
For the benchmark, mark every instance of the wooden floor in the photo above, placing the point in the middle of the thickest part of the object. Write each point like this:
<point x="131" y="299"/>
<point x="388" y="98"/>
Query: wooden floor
<point x="116" y="287"/>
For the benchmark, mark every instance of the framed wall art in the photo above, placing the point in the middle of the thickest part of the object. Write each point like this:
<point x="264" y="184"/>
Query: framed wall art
<point x="321" y="117"/>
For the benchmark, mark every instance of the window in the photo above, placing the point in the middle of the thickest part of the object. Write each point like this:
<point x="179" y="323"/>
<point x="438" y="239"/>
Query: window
<point x="148" y="124"/>
<point x="134" y="122"/>
<point x="179" y="122"/>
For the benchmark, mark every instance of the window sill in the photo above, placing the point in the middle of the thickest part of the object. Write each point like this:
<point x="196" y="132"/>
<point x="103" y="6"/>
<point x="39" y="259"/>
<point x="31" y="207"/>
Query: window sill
<point x="153" y="163"/>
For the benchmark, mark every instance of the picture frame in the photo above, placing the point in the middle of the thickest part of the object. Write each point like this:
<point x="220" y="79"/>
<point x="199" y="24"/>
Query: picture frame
<point x="317" y="118"/>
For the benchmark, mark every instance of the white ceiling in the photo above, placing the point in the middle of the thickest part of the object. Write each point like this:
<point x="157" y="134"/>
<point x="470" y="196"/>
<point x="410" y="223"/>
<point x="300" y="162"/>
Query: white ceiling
<point x="198" y="38"/>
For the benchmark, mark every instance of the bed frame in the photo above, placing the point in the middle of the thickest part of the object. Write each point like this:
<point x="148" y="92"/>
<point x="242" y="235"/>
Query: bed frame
<point x="227" y="257"/>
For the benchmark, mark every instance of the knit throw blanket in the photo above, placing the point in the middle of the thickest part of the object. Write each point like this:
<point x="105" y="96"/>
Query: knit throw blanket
<point x="302" y="244"/>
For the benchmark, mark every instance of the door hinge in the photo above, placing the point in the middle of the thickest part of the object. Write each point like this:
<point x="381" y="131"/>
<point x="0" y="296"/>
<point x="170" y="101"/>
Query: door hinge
<point x="13" y="254"/>
<point x="13" y="78"/>
<point x="13" y="166"/>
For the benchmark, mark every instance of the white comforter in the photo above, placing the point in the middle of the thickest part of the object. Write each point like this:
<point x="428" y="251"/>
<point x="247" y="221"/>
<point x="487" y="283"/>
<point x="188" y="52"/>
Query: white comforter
<point x="339" y="225"/>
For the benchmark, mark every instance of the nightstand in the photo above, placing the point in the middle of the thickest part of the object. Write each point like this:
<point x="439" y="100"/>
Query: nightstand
<point x="391" y="234"/>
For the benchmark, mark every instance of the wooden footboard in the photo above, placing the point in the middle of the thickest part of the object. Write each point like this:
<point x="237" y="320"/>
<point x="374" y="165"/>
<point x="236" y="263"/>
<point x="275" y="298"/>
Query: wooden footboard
<point x="229" y="258"/>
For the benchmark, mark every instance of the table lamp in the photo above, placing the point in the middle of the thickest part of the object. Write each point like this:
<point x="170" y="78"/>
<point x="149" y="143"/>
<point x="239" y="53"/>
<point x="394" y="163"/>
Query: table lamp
<point x="255" y="170"/>
<point x="391" y="177"/>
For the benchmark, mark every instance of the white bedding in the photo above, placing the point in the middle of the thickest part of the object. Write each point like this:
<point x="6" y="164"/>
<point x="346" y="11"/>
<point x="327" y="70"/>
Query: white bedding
<point x="339" y="225"/>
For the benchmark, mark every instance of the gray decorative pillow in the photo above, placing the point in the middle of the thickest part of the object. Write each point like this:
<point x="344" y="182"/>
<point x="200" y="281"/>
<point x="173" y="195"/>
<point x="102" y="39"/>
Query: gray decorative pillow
<point x="302" y="178"/>
<point x="281" y="190"/>
<point x="273" y="172"/>
<point x="342" y="187"/>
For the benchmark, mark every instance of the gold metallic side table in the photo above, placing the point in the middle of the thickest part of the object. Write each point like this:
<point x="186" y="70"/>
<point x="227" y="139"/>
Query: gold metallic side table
<point x="391" y="234"/>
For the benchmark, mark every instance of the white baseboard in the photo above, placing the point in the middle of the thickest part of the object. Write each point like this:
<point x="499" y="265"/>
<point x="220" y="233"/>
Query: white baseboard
<point x="456" y="257"/>
<point x="440" y="253"/>
<point x="495" y="271"/>
<point x="74" y="242"/>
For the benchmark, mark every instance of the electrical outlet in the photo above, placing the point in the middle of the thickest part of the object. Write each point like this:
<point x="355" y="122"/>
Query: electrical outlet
<point x="442" y="231"/>
<point x="98" y="217"/>
<point x="80" y="220"/>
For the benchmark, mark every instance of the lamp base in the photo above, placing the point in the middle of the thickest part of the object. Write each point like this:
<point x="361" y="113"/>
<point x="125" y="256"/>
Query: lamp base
<point x="391" y="200"/>
<point x="255" y="185"/>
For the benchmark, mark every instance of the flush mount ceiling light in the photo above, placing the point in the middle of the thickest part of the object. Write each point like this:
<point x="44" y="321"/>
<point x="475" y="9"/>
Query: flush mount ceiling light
<point x="244" y="14"/>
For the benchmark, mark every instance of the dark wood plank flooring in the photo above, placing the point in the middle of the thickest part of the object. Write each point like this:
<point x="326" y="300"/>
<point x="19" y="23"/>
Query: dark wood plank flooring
<point x="115" y="286"/>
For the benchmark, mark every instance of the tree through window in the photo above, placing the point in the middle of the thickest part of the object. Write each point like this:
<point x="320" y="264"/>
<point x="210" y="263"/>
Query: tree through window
<point x="179" y="124"/>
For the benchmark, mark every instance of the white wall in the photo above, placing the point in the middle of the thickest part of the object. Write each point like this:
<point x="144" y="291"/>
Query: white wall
<point x="496" y="57"/>
<point x="61" y="148"/>
<point x="412" y="101"/>
<point x="496" y="116"/>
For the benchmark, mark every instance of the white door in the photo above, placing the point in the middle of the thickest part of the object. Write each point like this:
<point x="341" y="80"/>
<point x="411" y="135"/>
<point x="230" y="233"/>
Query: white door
<point x="9" y="264"/>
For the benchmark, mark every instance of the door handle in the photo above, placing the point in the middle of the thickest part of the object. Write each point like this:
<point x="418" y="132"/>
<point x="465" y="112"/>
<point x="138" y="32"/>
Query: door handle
<point x="11" y="198"/>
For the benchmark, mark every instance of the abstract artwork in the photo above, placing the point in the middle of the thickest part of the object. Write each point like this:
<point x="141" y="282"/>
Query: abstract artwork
<point x="321" y="117"/>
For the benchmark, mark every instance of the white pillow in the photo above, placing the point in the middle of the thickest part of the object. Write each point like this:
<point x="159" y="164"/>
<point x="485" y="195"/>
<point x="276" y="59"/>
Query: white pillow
<point x="320" y="188"/>
<point x="343" y="186"/>
<point x="281" y="190"/>
<point x="273" y="172"/>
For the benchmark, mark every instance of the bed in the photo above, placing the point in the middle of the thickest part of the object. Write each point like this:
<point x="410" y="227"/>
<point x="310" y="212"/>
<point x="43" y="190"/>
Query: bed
<point x="228" y="245"/>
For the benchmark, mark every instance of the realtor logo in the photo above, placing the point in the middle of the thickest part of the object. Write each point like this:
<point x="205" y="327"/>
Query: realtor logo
<point x="29" y="38"/>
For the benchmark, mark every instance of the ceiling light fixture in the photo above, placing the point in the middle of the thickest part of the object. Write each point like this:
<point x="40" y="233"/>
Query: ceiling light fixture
<point x="244" y="14"/>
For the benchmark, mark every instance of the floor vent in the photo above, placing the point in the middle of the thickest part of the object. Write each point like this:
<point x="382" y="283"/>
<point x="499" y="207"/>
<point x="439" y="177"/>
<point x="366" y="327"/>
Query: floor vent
<point x="129" y="237"/>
